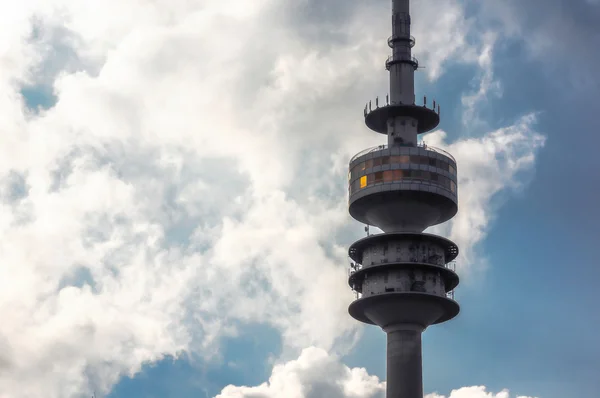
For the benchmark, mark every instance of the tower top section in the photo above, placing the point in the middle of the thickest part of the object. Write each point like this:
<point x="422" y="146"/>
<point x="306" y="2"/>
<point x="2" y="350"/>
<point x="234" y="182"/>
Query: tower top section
<point x="400" y="118"/>
<point x="401" y="64"/>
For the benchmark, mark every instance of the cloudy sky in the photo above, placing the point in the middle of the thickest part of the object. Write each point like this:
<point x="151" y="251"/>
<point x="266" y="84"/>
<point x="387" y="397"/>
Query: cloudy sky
<point x="173" y="217"/>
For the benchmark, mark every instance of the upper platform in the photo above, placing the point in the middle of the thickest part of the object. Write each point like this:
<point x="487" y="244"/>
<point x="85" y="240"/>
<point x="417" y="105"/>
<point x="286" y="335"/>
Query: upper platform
<point x="377" y="119"/>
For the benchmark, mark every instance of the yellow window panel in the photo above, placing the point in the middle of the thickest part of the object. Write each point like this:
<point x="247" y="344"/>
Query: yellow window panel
<point x="363" y="181"/>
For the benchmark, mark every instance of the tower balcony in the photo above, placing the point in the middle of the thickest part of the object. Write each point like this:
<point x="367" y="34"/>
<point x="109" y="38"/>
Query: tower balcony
<point x="404" y="247"/>
<point x="420" y="145"/>
<point x="410" y="271"/>
<point x="401" y="39"/>
<point x="394" y="60"/>
<point x="402" y="188"/>
<point x="358" y="274"/>
<point x="404" y="254"/>
<point x="376" y="118"/>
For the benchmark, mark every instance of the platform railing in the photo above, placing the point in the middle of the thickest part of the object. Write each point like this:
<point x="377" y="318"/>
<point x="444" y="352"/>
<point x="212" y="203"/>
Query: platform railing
<point x="369" y="105"/>
<point x="419" y="145"/>
<point x="355" y="267"/>
<point x="368" y="150"/>
<point x="391" y="60"/>
<point x="358" y="267"/>
<point x="392" y="39"/>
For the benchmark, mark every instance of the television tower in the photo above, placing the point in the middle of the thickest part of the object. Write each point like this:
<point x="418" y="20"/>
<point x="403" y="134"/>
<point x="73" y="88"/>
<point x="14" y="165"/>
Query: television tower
<point x="403" y="278"/>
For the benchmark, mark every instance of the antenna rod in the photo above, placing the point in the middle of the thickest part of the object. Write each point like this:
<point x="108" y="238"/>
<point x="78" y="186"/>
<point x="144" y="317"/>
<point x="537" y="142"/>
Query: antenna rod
<point x="402" y="67"/>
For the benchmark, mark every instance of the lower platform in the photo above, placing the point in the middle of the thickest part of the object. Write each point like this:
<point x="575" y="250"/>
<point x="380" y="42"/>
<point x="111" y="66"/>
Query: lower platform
<point x="404" y="307"/>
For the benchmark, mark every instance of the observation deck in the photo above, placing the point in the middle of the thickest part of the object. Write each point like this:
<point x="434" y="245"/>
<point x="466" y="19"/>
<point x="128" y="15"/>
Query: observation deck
<point x="409" y="187"/>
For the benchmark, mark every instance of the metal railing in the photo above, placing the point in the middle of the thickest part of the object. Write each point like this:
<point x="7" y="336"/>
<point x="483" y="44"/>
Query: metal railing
<point x="419" y="145"/>
<point x="358" y="295"/>
<point x="392" y="39"/>
<point x="438" y="150"/>
<point x="355" y="267"/>
<point x="451" y="266"/>
<point x="369" y="105"/>
<point x="393" y="60"/>
<point x="368" y="150"/>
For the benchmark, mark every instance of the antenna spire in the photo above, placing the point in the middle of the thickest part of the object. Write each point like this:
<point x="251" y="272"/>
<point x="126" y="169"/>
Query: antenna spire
<point x="401" y="119"/>
<point x="401" y="63"/>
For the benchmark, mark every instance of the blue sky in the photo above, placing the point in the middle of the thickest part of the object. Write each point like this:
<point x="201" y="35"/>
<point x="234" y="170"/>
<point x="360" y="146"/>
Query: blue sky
<point x="173" y="179"/>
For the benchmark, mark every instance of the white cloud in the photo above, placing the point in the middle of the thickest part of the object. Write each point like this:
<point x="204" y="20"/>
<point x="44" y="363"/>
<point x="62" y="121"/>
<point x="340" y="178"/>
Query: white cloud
<point x="445" y="37"/>
<point x="475" y="392"/>
<point x="487" y="166"/>
<point x="316" y="374"/>
<point x="487" y="85"/>
<point x="190" y="176"/>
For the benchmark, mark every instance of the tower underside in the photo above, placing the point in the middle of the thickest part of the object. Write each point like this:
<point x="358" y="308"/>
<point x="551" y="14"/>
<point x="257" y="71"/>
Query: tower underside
<point x="404" y="279"/>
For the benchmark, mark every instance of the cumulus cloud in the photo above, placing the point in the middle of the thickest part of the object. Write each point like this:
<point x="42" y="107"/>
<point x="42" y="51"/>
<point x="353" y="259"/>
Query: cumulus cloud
<point x="486" y="86"/>
<point x="444" y="40"/>
<point x="487" y="166"/>
<point x="475" y="392"/>
<point x="316" y="374"/>
<point x="189" y="177"/>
